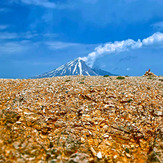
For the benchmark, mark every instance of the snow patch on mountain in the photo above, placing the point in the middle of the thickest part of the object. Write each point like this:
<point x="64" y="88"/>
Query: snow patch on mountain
<point x="75" y="67"/>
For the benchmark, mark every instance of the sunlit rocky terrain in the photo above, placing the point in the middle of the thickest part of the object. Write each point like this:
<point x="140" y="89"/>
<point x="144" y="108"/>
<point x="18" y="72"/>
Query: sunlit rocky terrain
<point x="81" y="119"/>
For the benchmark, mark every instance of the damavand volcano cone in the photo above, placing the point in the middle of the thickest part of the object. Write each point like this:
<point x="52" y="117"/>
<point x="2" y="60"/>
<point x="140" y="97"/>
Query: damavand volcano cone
<point x="75" y="67"/>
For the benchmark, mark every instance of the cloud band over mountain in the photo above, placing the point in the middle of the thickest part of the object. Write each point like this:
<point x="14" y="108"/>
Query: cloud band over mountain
<point x="121" y="46"/>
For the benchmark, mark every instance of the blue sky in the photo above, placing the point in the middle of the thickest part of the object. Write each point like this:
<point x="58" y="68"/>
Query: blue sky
<point x="37" y="36"/>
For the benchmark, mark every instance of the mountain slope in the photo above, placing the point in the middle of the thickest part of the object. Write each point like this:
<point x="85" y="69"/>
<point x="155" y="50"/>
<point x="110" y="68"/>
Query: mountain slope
<point x="75" y="67"/>
<point x="102" y="72"/>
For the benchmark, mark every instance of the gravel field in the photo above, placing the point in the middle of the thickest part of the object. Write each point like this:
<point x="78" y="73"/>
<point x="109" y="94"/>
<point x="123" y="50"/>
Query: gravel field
<point x="80" y="119"/>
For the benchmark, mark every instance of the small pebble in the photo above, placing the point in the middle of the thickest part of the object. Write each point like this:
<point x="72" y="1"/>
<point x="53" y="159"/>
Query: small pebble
<point x="18" y="122"/>
<point x="128" y="155"/>
<point x="99" y="155"/>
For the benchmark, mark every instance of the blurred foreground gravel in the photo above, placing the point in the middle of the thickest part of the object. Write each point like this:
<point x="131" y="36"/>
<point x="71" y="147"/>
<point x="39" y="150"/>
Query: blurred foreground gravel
<point x="81" y="119"/>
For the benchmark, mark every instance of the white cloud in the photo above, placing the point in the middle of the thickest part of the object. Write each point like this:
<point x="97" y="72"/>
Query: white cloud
<point x="109" y="48"/>
<point x="2" y="27"/>
<point x="43" y="3"/>
<point x="28" y="35"/>
<point x="59" y="45"/>
<point x="12" y="47"/>
<point x="121" y="46"/>
<point x="158" y="25"/>
<point x="50" y="35"/>
<point x="8" y="35"/>
<point x="10" y="42"/>
<point x="25" y="35"/>
<point x="12" y="35"/>
<point x="155" y="38"/>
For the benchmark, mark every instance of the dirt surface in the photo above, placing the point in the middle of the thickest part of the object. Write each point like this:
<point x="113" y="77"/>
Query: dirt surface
<point x="81" y="119"/>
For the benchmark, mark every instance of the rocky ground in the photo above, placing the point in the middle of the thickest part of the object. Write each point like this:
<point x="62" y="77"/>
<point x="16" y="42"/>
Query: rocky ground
<point x="81" y="119"/>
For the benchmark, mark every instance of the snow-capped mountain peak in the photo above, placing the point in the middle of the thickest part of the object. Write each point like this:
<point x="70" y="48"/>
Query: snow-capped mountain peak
<point x="75" y="67"/>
